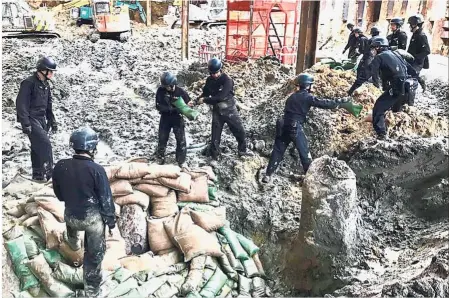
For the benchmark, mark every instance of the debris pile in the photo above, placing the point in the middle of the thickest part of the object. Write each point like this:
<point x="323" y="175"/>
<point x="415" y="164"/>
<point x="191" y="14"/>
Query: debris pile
<point x="172" y="238"/>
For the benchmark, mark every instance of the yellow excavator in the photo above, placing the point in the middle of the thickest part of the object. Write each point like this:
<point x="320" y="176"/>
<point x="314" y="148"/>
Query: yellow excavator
<point x="20" y="21"/>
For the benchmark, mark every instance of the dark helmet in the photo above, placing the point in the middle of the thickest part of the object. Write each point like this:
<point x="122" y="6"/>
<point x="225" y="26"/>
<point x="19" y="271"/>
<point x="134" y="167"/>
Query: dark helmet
<point x="379" y="42"/>
<point x="84" y="139"/>
<point x="349" y="25"/>
<point x="357" y="30"/>
<point x="417" y="19"/>
<point x="214" y="65"/>
<point x="46" y="63"/>
<point x="397" y="21"/>
<point x="304" y="80"/>
<point x="168" y="79"/>
<point x="374" y="31"/>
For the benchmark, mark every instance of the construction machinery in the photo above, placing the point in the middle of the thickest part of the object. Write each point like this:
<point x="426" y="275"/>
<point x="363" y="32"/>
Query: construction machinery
<point x="20" y="21"/>
<point x="134" y="6"/>
<point x="203" y="13"/>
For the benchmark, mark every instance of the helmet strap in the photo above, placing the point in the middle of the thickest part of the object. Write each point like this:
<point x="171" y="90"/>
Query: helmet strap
<point x="92" y="153"/>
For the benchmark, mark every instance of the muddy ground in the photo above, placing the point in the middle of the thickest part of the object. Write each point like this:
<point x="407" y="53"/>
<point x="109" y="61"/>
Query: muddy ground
<point x="111" y="86"/>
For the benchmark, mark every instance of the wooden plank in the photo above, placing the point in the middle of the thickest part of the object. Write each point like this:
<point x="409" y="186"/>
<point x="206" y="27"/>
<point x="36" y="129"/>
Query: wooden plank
<point x="308" y="34"/>
<point x="185" y="30"/>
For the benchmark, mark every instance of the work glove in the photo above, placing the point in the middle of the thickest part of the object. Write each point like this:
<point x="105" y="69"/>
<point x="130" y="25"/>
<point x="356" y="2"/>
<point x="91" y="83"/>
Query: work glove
<point x="344" y="51"/>
<point x="26" y="130"/>
<point x="352" y="108"/>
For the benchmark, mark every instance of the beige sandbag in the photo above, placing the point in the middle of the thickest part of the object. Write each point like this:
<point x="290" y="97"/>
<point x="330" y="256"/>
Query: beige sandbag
<point x="182" y="183"/>
<point x="111" y="171"/>
<point x="13" y="232"/>
<point x="31" y="208"/>
<point x="121" y="188"/>
<point x="169" y="171"/>
<point x="21" y="219"/>
<point x="15" y="203"/>
<point x="115" y="249"/>
<point x="164" y="206"/>
<point x="157" y="236"/>
<point x="198" y="172"/>
<point x="148" y="262"/>
<point x="117" y="209"/>
<point x="152" y="190"/>
<point x="21" y="185"/>
<point x="179" y="224"/>
<point x="199" y="192"/>
<point x="46" y="191"/>
<point x="52" y="228"/>
<point x="32" y="221"/>
<point x="138" y="159"/>
<point x="133" y="170"/>
<point x="137" y="197"/>
<point x="144" y="181"/>
<point x="52" y="205"/>
<point x="210" y="220"/>
<point x="74" y="258"/>
<point x="16" y="211"/>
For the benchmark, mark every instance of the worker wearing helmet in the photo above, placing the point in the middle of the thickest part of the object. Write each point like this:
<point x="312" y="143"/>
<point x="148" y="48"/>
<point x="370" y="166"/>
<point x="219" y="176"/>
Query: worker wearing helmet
<point x="397" y="38"/>
<point x="362" y="45"/>
<point x="352" y="42"/>
<point x="419" y="46"/>
<point x="219" y="93"/>
<point x="170" y="119"/>
<point x="84" y="187"/>
<point x="35" y="114"/>
<point x="289" y="129"/>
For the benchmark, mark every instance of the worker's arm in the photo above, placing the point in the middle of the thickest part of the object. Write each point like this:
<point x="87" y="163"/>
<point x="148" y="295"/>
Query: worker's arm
<point x="222" y="95"/>
<point x="323" y="103"/>
<point x="54" y="179"/>
<point x="104" y="195"/>
<point x="161" y="104"/>
<point x="49" y="113"/>
<point x="373" y="71"/>
<point x="185" y="96"/>
<point x="23" y="103"/>
<point x="206" y="91"/>
<point x="402" y="41"/>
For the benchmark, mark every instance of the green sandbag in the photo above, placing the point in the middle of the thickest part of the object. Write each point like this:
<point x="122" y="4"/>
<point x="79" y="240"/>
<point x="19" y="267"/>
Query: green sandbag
<point x="124" y="287"/>
<point x="195" y="206"/>
<point x="23" y="294"/>
<point x="237" y="249"/>
<point x="244" y="286"/>
<point x="147" y="288"/>
<point x="194" y="295"/>
<point x="17" y="252"/>
<point x="171" y="269"/>
<point x="248" y="245"/>
<point x="166" y="290"/>
<point x="122" y="274"/>
<point x="207" y="274"/>
<point x="214" y="285"/>
<point x="352" y="108"/>
<point x="38" y="230"/>
<point x="52" y="256"/>
<point x="68" y="274"/>
<point x="184" y="109"/>
<point x="258" y="286"/>
<point x="30" y="246"/>
<point x="227" y="268"/>
<point x="212" y="190"/>
<point x="250" y="268"/>
<point x="227" y="288"/>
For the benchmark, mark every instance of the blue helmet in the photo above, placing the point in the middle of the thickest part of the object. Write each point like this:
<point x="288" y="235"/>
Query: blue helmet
<point x="214" y="65"/>
<point x="168" y="79"/>
<point x="304" y="80"/>
<point x="84" y="139"/>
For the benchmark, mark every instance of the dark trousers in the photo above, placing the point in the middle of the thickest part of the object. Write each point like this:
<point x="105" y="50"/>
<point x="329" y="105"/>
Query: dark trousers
<point x="41" y="150"/>
<point x="234" y="122"/>
<point x="385" y="102"/>
<point x="408" y="98"/>
<point x="166" y="123"/>
<point x="94" y="247"/>
<point x="289" y="134"/>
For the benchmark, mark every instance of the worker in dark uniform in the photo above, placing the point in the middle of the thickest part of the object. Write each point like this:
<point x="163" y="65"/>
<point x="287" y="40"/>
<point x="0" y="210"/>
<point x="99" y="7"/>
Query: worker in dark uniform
<point x="419" y="46"/>
<point x="397" y="38"/>
<point x="289" y="129"/>
<point x="166" y="94"/>
<point x="352" y="43"/>
<point x="84" y="187"/>
<point x="35" y="114"/>
<point x="361" y="41"/>
<point x="219" y="93"/>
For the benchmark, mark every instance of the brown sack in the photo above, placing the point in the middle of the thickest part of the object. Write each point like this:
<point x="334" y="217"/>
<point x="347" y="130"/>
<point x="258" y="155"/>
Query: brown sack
<point x="199" y="192"/>
<point x="149" y="263"/>
<point x="133" y="170"/>
<point x="210" y="220"/>
<point x="32" y="221"/>
<point x="52" y="205"/>
<point x="198" y="242"/>
<point x="53" y="229"/>
<point x="115" y="249"/>
<point x="73" y="257"/>
<point x="121" y="188"/>
<point x="144" y="181"/>
<point x="16" y="211"/>
<point x="179" y="224"/>
<point x="164" y="206"/>
<point x="31" y="208"/>
<point x="157" y="236"/>
<point x="46" y="191"/>
<point x="182" y="183"/>
<point x="111" y="171"/>
<point x="138" y="159"/>
<point x="152" y="190"/>
<point x="198" y="172"/>
<point x="169" y="171"/>
<point x="137" y="197"/>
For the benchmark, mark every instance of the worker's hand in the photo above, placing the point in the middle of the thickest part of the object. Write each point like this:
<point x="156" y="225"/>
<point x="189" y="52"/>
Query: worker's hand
<point x="349" y="93"/>
<point x="111" y="227"/>
<point x="26" y="130"/>
<point x="352" y="108"/>
<point x="191" y="104"/>
<point x="54" y="127"/>
<point x="344" y="51"/>
<point x="200" y="100"/>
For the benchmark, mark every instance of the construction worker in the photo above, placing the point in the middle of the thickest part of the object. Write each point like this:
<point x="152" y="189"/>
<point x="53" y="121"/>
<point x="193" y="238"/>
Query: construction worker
<point x="170" y="119"/>
<point x="374" y="31"/>
<point x="84" y="187"/>
<point x="219" y="93"/>
<point x="352" y="42"/>
<point x="361" y="41"/>
<point x="397" y="38"/>
<point x="289" y="129"/>
<point x="419" y="46"/>
<point x="35" y="114"/>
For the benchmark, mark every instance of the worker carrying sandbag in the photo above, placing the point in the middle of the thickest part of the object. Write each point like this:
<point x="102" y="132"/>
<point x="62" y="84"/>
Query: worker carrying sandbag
<point x="171" y="102"/>
<point x="219" y="93"/>
<point x="290" y="128"/>
<point x="84" y="187"/>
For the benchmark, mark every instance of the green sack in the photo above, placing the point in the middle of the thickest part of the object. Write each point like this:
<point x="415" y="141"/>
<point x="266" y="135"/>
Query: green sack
<point x="68" y="274"/>
<point x="244" y="286"/>
<point x="227" y="268"/>
<point x="23" y="294"/>
<point x="212" y="193"/>
<point x="248" y="245"/>
<point x="250" y="268"/>
<point x="227" y="288"/>
<point x="17" y="252"/>
<point x="30" y="246"/>
<point x="237" y="249"/>
<point x="52" y="256"/>
<point x="352" y="108"/>
<point x="166" y="290"/>
<point x="38" y="230"/>
<point x="195" y="206"/>
<point x="258" y="286"/>
<point x="214" y="285"/>
<point x="184" y="109"/>
<point x="147" y="288"/>
<point x="194" y="295"/>
<point x="207" y="274"/>
<point x="124" y="288"/>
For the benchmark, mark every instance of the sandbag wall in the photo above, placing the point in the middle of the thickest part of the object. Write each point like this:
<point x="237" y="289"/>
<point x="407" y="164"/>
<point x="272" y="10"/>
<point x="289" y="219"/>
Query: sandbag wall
<point x="172" y="240"/>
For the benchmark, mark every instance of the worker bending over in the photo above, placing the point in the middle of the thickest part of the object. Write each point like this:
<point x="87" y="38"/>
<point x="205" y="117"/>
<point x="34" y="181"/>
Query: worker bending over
<point x="171" y="118"/>
<point x="419" y="46"/>
<point x="219" y="93"/>
<point x="397" y="38"/>
<point x="84" y="187"/>
<point x="352" y="43"/>
<point x="35" y="114"/>
<point x="290" y="128"/>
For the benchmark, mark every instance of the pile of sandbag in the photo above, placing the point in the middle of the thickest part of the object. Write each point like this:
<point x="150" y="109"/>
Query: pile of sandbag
<point x="173" y="239"/>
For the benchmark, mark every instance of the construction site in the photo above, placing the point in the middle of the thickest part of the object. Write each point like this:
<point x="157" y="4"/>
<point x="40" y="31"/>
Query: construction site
<point x="370" y="218"/>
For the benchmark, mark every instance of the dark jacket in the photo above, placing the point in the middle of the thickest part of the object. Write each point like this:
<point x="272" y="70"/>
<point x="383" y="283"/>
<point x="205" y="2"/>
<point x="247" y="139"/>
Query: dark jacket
<point x="34" y="100"/>
<point x="219" y="92"/>
<point x="362" y="43"/>
<point x="83" y="185"/>
<point x="398" y="39"/>
<point x="419" y="48"/>
<point x="164" y="99"/>
<point x="298" y="105"/>
<point x="352" y="41"/>
<point x="392" y="68"/>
